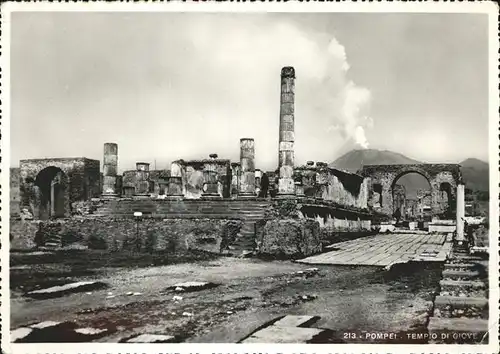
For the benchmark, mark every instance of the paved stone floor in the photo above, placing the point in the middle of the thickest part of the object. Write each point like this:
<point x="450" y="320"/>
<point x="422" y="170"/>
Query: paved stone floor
<point x="386" y="249"/>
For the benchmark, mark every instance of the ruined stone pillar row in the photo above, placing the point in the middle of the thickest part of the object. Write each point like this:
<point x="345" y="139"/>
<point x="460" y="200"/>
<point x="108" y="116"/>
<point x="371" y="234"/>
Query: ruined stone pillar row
<point x="110" y="170"/>
<point x="286" y="185"/>
<point x="460" y="212"/>
<point x="247" y="168"/>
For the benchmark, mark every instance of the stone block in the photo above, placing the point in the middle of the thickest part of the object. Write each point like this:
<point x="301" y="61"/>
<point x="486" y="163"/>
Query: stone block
<point x="457" y="301"/>
<point x="275" y="334"/>
<point x="458" y="325"/>
<point x="151" y="338"/>
<point x="19" y="334"/>
<point x="290" y="238"/>
<point x="296" y="321"/>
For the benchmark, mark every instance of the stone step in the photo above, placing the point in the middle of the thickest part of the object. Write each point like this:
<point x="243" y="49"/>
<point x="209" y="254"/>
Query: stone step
<point x="174" y="216"/>
<point x="471" y="325"/>
<point x="463" y="274"/>
<point x="468" y="284"/>
<point x="182" y="212"/>
<point x="245" y="240"/>
<point x="466" y="258"/>
<point x="460" y="302"/>
<point x="139" y="207"/>
<point x="454" y="266"/>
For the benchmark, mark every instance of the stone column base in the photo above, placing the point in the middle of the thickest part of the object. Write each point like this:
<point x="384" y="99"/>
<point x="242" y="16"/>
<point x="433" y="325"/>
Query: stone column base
<point x="246" y="196"/>
<point x="211" y="196"/>
<point x="109" y="196"/>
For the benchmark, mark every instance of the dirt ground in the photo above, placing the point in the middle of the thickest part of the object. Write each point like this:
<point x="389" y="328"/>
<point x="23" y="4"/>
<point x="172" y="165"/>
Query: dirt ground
<point x="249" y="294"/>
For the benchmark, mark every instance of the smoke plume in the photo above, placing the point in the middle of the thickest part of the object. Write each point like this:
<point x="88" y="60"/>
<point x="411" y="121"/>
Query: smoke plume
<point x="323" y="88"/>
<point x="202" y="79"/>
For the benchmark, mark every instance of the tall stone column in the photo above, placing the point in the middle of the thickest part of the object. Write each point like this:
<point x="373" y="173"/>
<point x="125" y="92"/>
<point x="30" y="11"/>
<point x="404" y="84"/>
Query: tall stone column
<point x="460" y="212"/>
<point x="110" y="169"/>
<point x="247" y="168"/>
<point x="286" y="185"/>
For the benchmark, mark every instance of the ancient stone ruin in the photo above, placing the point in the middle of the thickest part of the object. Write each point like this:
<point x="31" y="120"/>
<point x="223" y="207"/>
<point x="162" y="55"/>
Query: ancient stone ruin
<point x="242" y="205"/>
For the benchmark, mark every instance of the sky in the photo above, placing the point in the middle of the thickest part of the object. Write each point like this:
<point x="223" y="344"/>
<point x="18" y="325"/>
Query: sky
<point x="166" y="86"/>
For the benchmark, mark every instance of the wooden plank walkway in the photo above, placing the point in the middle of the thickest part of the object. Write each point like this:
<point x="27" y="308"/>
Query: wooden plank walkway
<point x="385" y="250"/>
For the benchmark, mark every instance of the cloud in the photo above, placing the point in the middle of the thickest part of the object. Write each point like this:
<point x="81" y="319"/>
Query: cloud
<point x="184" y="84"/>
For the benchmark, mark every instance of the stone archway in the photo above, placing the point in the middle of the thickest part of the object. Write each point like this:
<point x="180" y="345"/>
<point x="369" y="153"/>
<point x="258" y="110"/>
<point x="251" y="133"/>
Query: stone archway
<point x="420" y="199"/>
<point x="384" y="177"/>
<point x="52" y="193"/>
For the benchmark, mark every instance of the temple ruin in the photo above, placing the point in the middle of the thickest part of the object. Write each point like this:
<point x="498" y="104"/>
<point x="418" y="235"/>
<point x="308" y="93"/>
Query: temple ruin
<point x="217" y="188"/>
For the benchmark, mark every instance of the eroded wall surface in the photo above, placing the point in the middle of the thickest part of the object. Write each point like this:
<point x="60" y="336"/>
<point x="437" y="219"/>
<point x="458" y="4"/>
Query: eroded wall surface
<point x="343" y="188"/>
<point x="157" y="182"/>
<point x="80" y="177"/>
<point x="195" y="177"/>
<point x="118" y="234"/>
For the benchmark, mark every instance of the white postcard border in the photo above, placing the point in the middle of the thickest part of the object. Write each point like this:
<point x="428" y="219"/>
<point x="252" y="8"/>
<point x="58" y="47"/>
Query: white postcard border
<point x="487" y="8"/>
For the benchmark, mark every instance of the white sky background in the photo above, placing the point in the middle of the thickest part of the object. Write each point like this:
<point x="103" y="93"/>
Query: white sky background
<point x="166" y="86"/>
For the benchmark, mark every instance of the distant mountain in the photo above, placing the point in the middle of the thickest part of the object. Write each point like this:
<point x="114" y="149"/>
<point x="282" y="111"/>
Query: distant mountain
<point x="355" y="159"/>
<point x="476" y="174"/>
<point x="474" y="171"/>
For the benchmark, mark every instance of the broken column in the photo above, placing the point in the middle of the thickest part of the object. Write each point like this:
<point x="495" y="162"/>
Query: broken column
<point x="235" y="178"/>
<point x="247" y="168"/>
<point x="321" y="180"/>
<point x="286" y="185"/>
<point x="142" y="179"/>
<point x="460" y="212"/>
<point x="174" y="187"/>
<point x="299" y="185"/>
<point x="110" y="170"/>
<point x="210" y="179"/>
<point x="178" y="169"/>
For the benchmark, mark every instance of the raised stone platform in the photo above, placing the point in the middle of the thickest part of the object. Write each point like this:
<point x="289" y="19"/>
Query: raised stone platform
<point x="385" y="250"/>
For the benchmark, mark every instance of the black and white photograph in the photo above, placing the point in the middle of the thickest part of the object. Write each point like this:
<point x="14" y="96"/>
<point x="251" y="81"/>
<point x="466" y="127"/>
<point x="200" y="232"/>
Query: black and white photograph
<point x="210" y="176"/>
